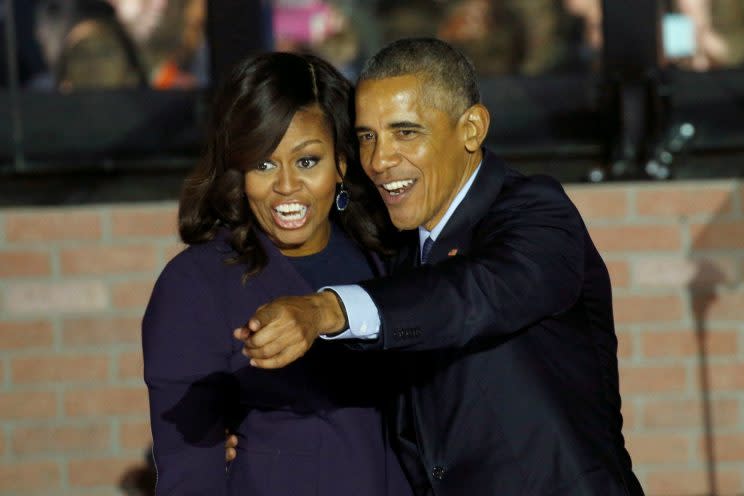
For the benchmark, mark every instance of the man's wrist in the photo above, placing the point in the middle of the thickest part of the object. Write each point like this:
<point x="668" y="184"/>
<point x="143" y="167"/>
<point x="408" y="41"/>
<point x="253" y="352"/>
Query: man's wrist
<point x="333" y="313"/>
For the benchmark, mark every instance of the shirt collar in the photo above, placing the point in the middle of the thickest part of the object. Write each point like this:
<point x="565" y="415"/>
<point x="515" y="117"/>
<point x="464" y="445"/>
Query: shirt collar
<point x="434" y="233"/>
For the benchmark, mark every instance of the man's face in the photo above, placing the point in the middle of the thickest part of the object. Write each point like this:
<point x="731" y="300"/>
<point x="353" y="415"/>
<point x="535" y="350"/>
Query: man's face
<point x="413" y="152"/>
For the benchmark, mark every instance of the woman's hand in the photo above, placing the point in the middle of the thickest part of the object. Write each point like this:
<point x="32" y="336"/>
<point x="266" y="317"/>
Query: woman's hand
<point x="231" y="442"/>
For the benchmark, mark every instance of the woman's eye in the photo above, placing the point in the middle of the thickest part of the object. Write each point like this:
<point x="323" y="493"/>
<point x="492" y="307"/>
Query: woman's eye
<point x="264" y="166"/>
<point x="307" y="162"/>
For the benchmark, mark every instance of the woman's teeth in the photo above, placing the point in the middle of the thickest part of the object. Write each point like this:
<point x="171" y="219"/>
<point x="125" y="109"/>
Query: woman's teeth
<point x="396" y="188"/>
<point x="291" y="211"/>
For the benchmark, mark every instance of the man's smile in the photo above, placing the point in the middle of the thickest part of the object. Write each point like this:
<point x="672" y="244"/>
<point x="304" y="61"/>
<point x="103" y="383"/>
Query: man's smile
<point x="394" y="191"/>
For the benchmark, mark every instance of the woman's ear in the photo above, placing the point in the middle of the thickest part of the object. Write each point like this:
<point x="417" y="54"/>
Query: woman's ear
<point x="474" y="124"/>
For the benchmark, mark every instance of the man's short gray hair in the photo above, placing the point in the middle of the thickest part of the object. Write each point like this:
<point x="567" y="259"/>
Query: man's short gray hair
<point x="441" y="66"/>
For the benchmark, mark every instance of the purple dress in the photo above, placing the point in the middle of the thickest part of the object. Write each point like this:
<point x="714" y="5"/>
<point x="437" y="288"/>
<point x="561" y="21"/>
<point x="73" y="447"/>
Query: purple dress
<point x="312" y="428"/>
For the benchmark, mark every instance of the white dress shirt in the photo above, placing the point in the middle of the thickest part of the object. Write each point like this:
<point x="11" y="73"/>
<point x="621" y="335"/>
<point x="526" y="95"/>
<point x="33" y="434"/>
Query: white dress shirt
<point x="362" y="313"/>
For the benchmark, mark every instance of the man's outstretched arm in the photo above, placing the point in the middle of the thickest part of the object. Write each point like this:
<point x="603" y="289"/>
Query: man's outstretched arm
<point x="284" y="330"/>
<point x="527" y="265"/>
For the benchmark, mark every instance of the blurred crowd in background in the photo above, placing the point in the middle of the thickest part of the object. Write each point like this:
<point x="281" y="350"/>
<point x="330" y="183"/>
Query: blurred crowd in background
<point x="161" y="44"/>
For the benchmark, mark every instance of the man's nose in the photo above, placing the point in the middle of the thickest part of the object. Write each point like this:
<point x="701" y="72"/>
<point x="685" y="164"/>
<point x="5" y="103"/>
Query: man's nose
<point x="287" y="181"/>
<point x="384" y="156"/>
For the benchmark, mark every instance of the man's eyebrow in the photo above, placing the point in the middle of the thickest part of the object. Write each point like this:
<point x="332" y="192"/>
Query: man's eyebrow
<point x="405" y="125"/>
<point x="392" y="125"/>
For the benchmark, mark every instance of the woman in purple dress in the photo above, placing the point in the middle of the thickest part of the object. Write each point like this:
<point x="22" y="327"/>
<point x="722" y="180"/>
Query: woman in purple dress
<point x="278" y="206"/>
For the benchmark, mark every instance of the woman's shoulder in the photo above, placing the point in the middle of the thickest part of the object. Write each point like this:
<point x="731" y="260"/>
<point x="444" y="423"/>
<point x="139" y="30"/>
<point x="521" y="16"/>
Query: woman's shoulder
<point x="197" y="260"/>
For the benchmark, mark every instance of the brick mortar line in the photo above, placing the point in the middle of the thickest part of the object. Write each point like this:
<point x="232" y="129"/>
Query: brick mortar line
<point x="6" y="385"/>
<point x="83" y="421"/>
<point x="69" y="352"/>
<point x="98" y="348"/>
<point x="60" y="397"/>
<point x="161" y="205"/>
<point x="106" y="224"/>
<point x="124" y="275"/>
<point x="55" y="263"/>
<point x="113" y="367"/>
<point x="76" y="386"/>
<point x="72" y="315"/>
<point x="115" y="436"/>
<point x="6" y="457"/>
<point x="692" y="429"/>
<point x="2" y="227"/>
<point x="736" y="199"/>
<point x="714" y="326"/>
<point x="695" y="217"/>
<point x="689" y="362"/>
<point x="664" y="221"/>
<point x="59" y="423"/>
<point x="649" y="291"/>
<point x="56" y="334"/>
<point x="64" y="476"/>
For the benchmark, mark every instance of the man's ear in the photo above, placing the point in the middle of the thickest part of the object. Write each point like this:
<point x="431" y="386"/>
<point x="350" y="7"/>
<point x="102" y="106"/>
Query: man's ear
<point x="473" y="125"/>
<point x="340" y="169"/>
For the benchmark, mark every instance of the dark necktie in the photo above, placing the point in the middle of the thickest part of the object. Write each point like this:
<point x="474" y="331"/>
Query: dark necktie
<point x="426" y="250"/>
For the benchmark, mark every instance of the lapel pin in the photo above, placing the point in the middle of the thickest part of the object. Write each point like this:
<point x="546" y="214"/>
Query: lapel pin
<point x="452" y="252"/>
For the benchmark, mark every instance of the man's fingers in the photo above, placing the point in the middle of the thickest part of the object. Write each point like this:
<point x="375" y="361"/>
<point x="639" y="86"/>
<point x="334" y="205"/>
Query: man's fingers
<point x="274" y="332"/>
<point x="230" y="454"/>
<point x="282" y="359"/>
<point x="242" y="333"/>
<point x="271" y="349"/>
<point x="268" y="351"/>
<point x="268" y="333"/>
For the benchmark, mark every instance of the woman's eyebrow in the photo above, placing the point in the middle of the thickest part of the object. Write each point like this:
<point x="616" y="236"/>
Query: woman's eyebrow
<point x="305" y="143"/>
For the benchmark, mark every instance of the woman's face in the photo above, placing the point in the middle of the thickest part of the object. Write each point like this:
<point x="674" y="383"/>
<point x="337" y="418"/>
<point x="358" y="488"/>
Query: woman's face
<point x="291" y="192"/>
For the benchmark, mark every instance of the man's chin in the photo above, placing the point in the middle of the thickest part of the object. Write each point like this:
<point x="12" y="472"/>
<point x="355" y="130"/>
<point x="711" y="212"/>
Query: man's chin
<point x="404" y="224"/>
<point x="405" y="219"/>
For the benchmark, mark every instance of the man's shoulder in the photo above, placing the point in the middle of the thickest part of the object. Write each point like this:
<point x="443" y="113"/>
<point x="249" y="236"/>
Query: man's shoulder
<point x="533" y="191"/>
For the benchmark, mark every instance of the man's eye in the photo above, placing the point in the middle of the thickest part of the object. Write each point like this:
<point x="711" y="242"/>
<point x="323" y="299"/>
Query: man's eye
<point x="365" y="137"/>
<point x="406" y="133"/>
<point x="307" y="162"/>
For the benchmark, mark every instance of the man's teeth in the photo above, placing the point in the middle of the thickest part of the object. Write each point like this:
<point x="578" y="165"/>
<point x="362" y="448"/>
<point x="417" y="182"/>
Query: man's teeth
<point x="291" y="211"/>
<point x="398" y="187"/>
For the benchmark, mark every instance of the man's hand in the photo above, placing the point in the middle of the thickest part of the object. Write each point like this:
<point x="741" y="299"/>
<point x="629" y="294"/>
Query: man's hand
<point x="283" y="330"/>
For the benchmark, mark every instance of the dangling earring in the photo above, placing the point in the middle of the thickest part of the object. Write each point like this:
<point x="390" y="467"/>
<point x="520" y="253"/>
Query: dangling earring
<point x="342" y="198"/>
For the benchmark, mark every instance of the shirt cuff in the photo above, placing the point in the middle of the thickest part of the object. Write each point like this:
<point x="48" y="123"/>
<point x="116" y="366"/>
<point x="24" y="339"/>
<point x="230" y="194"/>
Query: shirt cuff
<point x="361" y="312"/>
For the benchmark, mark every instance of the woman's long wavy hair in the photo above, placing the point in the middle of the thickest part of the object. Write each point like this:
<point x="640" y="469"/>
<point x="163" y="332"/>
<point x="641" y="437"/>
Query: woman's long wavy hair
<point x="251" y="113"/>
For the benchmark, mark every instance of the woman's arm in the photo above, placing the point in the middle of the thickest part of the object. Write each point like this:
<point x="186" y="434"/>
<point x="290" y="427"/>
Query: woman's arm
<point x="187" y="373"/>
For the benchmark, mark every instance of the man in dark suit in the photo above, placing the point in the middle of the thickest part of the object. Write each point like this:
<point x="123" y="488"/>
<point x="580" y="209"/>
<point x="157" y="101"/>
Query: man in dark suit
<point x="503" y="325"/>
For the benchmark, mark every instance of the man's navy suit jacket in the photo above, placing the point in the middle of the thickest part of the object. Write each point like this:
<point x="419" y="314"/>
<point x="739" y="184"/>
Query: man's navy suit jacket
<point x="508" y="343"/>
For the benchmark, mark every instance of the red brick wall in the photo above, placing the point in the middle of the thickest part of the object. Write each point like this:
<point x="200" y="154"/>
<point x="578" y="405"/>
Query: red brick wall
<point x="74" y="281"/>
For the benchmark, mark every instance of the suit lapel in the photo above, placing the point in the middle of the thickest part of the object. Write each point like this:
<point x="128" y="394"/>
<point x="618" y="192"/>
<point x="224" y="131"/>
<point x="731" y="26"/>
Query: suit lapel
<point x="455" y="238"/>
